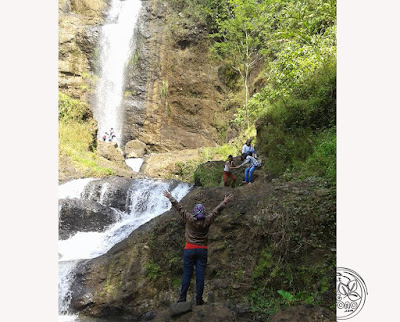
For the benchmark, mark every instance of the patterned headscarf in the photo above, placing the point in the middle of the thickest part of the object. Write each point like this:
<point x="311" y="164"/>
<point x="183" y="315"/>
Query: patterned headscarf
<point x="199" y="211"/>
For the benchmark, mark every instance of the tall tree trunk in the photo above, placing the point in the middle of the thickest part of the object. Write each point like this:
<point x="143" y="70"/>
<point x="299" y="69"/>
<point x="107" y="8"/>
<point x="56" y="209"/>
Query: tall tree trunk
<point x="245" y="100"/>
<point x="246" y="77"/>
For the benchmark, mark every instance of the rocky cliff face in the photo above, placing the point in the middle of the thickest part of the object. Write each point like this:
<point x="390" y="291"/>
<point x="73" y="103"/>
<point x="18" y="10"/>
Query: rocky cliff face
<point x="173" y="95"/>
<point x="77" y="39"/>
<point x="272" y="236"/>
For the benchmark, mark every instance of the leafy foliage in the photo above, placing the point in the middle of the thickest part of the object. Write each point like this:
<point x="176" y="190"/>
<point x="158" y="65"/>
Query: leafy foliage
<point x="303" y="232"/>
<point x="72" y="109"/>
<point x="239" y="40"/>
<point x="286" y="295"/>
<point x="152" y="270"/>
<point x="77" y="136"/>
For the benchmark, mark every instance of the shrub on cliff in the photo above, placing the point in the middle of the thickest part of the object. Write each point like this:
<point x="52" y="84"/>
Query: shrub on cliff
<point x="77" y="133"/>
<point x="70" y="109"/>
<point x="299" y="132"/>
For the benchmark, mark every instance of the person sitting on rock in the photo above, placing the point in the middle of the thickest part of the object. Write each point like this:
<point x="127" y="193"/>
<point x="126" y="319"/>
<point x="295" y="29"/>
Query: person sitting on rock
<point x="227" y="171"/>
<point x="105" y="136"/>
<point x="196" y="235"/>
<point x="249" y="149"/>
<point x="253" y="164"/>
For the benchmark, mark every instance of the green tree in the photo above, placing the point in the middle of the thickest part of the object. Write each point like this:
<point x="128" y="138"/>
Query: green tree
<point x="239" y="40"/>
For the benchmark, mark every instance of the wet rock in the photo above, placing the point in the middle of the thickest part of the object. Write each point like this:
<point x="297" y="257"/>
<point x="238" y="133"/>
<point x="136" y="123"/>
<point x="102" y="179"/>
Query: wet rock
<point x="83" y="215"/>
<point x="110" y="192"/>
<point x="87" y="40"/>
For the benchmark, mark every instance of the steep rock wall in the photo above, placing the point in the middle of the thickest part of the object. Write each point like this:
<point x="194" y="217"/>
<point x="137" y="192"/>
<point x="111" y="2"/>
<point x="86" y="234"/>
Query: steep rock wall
<point x="77" y="41"/>
<point x="173" y="97"/>
<point x="173" y="94"/>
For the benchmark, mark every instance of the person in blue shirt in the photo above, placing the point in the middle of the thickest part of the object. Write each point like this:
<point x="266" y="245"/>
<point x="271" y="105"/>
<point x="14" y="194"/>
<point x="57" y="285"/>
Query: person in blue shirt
<point x="253" y="164"/>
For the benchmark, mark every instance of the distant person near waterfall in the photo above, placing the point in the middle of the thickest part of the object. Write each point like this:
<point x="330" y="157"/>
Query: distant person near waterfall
<point x="196" y="235"/>
<point x="111" y="136"/>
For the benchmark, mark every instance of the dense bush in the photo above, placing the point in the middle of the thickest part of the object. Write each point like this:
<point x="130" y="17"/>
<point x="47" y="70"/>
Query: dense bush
<point x="292" y="130"/>
<point x="72" y="109"/>
<point x="295" y="112"/>
<point x="77" y="133"/>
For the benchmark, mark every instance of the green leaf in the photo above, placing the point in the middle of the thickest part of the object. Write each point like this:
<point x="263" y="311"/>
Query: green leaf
<point x="286" y="295"/>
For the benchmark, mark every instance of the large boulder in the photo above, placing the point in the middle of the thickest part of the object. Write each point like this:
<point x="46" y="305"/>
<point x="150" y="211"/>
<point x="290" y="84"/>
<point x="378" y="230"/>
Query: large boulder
<point x="110" y="151"/>
<point x="110" y="192"/>
<point x="164" y="165"/>
<point x="83" y="215"/>
<point x="135" y="149"/>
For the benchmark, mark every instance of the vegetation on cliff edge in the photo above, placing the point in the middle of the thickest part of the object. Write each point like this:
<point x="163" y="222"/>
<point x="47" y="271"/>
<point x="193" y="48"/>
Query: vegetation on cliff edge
<point x="77" y="135"/>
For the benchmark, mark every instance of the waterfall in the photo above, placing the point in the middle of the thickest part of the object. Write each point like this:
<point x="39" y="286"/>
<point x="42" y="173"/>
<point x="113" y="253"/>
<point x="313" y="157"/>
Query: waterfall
<point x="73" y="189"/>
<point x="145" y="202"/>
<point x="134" y="163"/>
<point x="115" y="48"/>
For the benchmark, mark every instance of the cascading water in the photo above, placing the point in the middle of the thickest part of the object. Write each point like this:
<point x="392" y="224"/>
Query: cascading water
<point x="73" y="189"/>
<point x="145" y="202"/>
<point x="116" y="46"/>
<point x="134" y="163"/>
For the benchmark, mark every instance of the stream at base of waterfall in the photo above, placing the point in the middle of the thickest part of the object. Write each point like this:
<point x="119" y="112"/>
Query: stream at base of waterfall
<point x="145" y="201"/>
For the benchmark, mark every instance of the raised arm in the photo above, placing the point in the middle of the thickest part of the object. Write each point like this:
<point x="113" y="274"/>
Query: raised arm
<point x="217" y="210"/>
<point x="184" y="214"/>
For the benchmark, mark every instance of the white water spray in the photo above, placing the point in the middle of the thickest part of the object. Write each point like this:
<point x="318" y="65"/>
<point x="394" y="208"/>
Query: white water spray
<point x="145" y="202"/>
<point x="134" y="163"/>
<point x="116" y="47"/>
<point x="73" y="189"/>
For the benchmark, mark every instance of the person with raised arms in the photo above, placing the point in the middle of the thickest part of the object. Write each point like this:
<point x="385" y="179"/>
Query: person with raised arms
<point x="197" y="225"/>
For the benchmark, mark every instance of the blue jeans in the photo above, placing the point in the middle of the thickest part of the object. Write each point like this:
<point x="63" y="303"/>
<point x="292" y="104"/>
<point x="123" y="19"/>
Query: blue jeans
<point x="193" y="257"/>
<point x="248" y="174"/>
